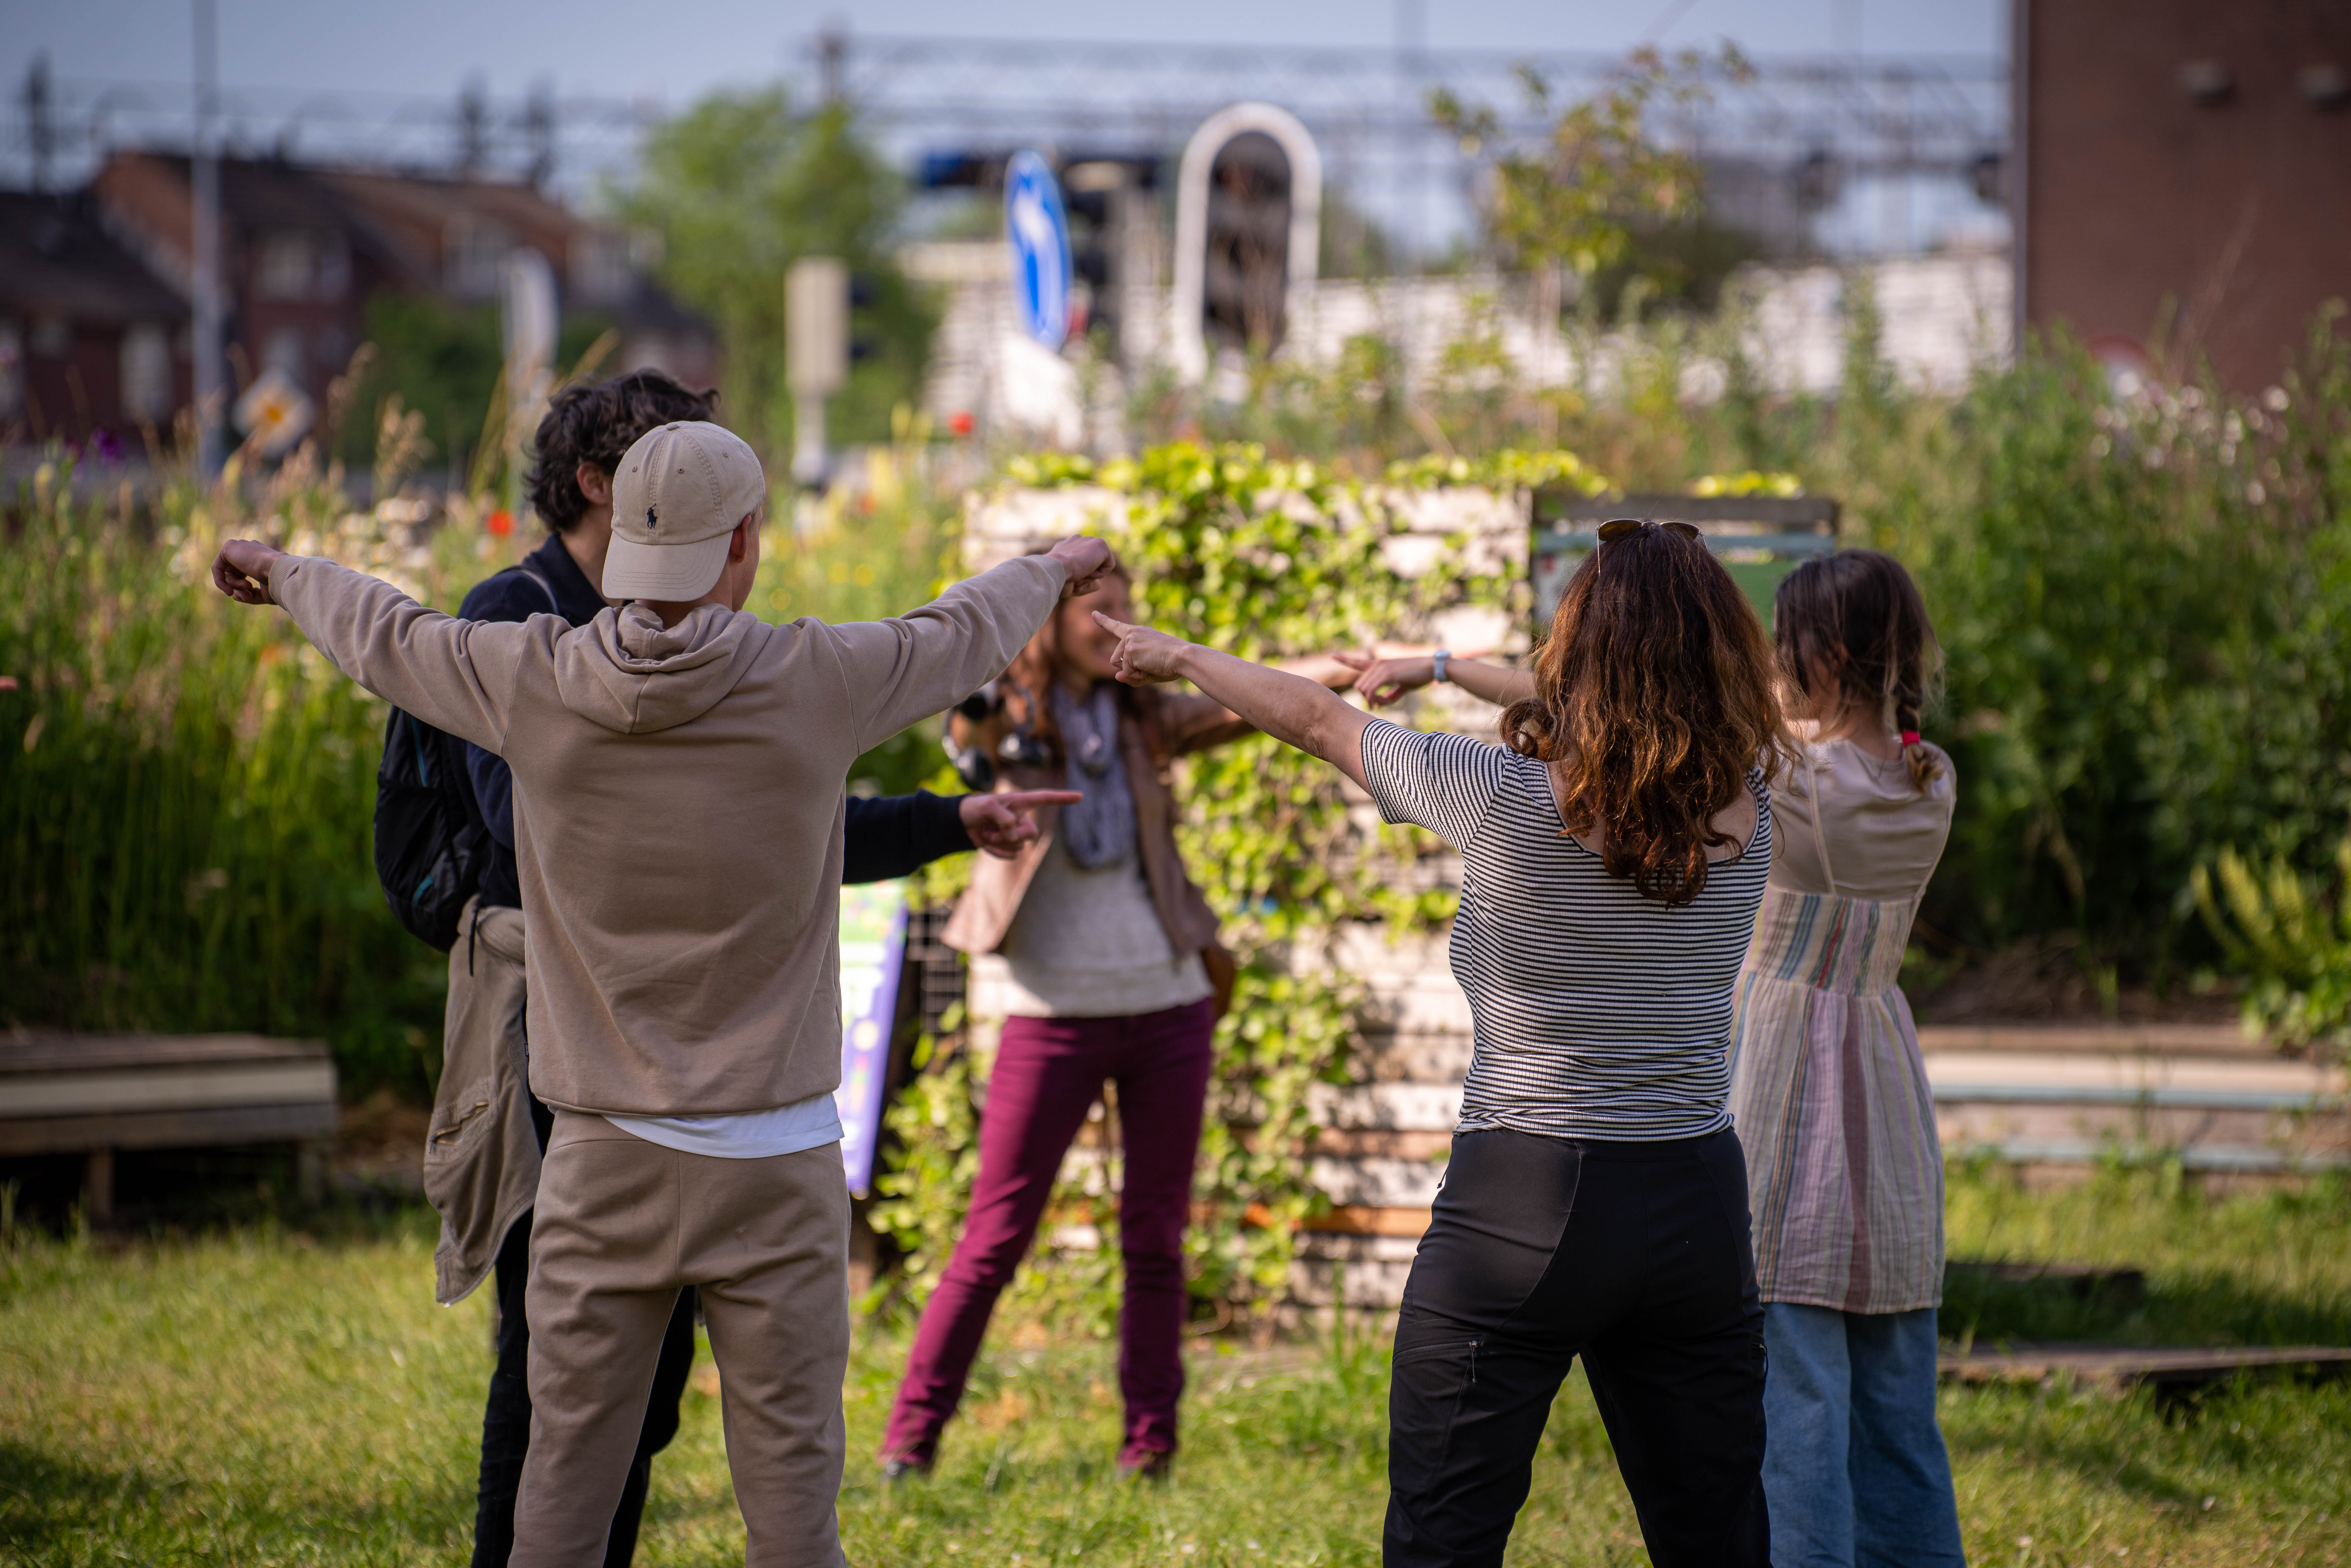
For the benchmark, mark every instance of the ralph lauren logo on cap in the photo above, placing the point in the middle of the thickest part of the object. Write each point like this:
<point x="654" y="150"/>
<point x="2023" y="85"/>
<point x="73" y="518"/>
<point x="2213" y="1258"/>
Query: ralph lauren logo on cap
<point x="652" y="518"/>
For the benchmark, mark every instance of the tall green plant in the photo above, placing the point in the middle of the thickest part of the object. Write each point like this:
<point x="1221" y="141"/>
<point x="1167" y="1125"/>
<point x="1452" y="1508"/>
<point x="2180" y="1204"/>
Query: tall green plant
<point x="186" y="787"/>
<point x="2098" y="579"/>
<point x="1571" y="198"/>
<point x="2277" y="926"/>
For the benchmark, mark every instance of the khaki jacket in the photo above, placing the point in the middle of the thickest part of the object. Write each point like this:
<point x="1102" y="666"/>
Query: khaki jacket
<point x="481" y="1154"/>
<point x="1171" y="727"/>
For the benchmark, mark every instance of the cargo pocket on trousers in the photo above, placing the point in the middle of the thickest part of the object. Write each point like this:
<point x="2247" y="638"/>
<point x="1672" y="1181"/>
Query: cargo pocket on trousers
<point x="467" y="1118"/>
<point x="1430" y="1380"/>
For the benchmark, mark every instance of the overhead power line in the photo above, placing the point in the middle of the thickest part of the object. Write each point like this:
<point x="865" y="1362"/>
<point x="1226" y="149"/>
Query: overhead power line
<point x="1931" y="118"/>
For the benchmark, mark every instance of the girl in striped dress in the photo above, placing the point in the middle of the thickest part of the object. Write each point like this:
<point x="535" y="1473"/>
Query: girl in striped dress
<point x="1828" y="1091"/>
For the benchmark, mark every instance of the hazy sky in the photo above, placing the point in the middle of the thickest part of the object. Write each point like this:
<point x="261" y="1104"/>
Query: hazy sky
<point x="674" y="51"/>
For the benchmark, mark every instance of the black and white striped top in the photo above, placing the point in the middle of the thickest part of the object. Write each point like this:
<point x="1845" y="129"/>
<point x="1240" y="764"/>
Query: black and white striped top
<point x="1599" y="1013"/>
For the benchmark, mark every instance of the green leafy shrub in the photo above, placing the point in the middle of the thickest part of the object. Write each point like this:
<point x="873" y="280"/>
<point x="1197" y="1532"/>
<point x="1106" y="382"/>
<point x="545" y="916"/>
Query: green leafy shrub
<point x="2276" y="926"/>
<point x="2143" y="644"/>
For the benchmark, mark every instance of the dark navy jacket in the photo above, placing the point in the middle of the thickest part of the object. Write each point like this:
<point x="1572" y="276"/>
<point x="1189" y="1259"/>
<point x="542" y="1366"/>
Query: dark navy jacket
<point x="889" y="836"/>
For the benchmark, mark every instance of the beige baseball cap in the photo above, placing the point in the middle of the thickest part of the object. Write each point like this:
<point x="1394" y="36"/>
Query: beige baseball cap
<point x="679" y="493"/>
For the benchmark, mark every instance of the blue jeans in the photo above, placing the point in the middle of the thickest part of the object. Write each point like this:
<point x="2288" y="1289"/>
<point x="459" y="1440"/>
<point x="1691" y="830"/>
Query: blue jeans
<point x="1853" y="1465"/>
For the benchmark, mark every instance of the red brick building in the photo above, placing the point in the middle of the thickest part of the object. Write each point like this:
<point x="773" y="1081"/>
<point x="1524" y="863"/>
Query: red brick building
<point x="92" y="344"/>
<point x="304" y="248"/>
<point x="2184" y="184"/>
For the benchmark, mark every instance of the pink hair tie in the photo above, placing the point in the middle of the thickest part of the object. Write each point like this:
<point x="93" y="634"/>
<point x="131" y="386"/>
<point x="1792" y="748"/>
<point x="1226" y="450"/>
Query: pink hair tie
<point x="1909" y="737"/>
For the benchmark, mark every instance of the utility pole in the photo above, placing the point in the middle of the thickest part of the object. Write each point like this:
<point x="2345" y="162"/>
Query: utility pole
<point x="41" y="129"/>
<point x="538" y="128"/>
<point x="204" y="170"/>
<point x="473" y="128"/>
<point x="816" y="356"/>
<point x="832" y="63"/>
<point x="1412" y="68"/>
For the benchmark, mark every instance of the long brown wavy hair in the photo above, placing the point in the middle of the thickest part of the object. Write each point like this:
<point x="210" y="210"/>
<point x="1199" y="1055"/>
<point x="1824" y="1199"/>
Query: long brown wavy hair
<point x="1653" y="696"/>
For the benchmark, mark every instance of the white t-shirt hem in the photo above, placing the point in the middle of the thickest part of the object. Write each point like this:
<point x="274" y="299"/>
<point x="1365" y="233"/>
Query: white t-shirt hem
<point x="808" y="1124"/>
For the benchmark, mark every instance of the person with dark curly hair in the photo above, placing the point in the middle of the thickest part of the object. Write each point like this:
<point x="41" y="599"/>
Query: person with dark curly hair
<point x="1615" y="849"/>
<point x="483" y="1160"/>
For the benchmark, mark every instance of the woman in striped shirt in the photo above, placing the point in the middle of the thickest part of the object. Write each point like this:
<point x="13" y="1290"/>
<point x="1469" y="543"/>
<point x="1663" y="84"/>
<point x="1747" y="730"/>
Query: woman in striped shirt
<point x="1614" y="854"/>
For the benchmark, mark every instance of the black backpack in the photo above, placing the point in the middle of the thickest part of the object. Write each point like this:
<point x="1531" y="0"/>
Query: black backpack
<point x="430" y="842"/>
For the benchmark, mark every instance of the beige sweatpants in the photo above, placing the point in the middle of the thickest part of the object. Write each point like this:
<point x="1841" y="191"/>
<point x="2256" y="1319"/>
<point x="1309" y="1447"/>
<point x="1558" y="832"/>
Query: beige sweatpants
<point x="622" y="1225"/>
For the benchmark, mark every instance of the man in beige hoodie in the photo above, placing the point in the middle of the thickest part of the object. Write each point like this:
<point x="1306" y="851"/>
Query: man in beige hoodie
<point x="679" y="771"/>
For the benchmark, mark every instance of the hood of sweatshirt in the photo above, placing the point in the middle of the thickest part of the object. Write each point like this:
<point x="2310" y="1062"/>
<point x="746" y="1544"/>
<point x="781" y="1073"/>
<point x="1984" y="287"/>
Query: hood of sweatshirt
<point x="627" y="672"/>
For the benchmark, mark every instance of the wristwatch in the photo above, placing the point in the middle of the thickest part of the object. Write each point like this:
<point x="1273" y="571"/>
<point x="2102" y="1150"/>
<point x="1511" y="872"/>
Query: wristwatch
<point x="1441" y="658"/>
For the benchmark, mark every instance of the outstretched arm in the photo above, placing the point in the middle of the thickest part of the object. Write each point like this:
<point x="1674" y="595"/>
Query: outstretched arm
<point x="897" y="835"/>
<point x="909" y="668"/>
<point x="453" y="675"/>
<point x="1292" y="709"/>
<point x="1383" y="680"/>
<point x="1196" y="723"/>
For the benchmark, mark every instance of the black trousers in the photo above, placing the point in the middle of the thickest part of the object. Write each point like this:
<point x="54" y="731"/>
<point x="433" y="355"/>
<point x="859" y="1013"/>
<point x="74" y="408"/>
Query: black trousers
<point x="1634" y="1256"/>
<point x="505" y="1420"/>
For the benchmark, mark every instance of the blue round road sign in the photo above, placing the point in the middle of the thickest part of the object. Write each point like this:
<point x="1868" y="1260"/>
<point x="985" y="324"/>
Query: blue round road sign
<point x="1037" y="229"/>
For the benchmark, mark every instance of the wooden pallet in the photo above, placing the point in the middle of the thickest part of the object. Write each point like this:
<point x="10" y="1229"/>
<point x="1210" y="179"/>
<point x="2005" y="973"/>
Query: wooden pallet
<point x="93" y="1095"/>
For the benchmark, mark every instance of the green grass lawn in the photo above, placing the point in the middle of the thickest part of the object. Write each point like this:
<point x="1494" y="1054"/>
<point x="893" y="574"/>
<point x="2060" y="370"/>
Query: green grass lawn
<point x="269" y="1395"/>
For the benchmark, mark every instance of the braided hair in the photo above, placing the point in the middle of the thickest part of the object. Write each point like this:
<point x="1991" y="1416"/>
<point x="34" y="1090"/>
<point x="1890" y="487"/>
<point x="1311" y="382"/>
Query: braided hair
<point x="1856" y="617"/>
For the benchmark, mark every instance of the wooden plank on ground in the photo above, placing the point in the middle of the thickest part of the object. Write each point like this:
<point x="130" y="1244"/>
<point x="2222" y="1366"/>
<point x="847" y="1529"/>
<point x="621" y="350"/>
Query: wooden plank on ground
<point x="2118" y="1368"/>
<point x="194" y="1128"/>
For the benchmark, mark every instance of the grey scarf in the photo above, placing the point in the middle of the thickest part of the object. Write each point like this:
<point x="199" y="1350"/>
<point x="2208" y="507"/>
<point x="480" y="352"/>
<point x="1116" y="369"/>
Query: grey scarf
<point x="1099" y="830"/>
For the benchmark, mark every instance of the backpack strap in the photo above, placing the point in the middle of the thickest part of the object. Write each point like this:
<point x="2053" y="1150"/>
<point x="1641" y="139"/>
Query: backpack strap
<point x="544" y="586"/>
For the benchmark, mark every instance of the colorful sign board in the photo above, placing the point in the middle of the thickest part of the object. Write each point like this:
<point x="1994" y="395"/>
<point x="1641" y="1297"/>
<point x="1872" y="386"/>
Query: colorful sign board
<point x="873" y="954"/>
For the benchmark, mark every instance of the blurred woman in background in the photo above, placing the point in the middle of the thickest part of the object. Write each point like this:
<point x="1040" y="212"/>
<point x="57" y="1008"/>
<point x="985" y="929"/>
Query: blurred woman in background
<point x="1117" y="975"/>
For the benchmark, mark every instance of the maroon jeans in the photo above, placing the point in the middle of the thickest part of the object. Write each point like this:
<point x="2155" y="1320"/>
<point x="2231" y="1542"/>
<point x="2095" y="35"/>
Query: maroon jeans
<point x="1048" y="1071"/>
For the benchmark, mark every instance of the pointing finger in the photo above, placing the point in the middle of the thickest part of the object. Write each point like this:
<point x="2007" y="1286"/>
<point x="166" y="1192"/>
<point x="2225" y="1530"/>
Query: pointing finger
<point x="1029" y="799"/>
<point x="1119" y="627"/>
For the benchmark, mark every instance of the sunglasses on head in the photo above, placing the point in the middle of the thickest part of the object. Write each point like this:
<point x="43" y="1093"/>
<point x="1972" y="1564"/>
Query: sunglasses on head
<point x="1625" y="527"/>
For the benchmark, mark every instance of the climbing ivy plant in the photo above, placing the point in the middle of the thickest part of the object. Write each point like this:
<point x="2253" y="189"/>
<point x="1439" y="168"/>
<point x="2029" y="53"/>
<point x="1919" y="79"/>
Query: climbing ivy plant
<point x="1266" y="559"/>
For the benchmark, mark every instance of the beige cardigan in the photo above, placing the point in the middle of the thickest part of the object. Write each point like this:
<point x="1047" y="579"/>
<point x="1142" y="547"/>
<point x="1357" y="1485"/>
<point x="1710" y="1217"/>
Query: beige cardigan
<point x="1170" y="727"/>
